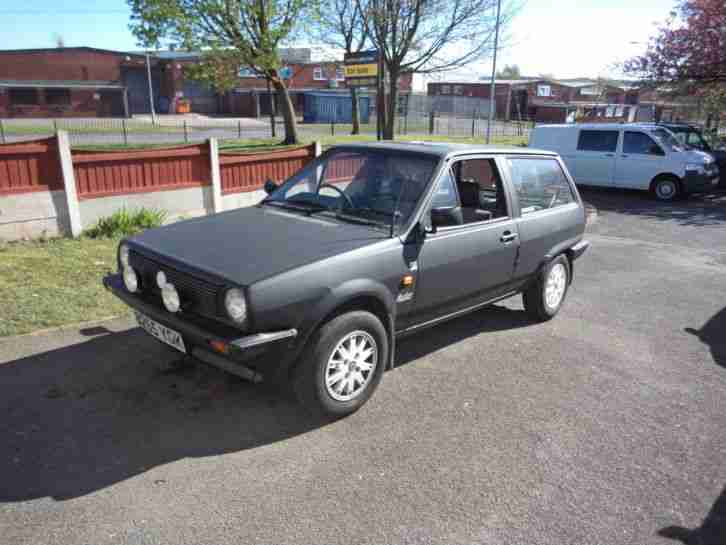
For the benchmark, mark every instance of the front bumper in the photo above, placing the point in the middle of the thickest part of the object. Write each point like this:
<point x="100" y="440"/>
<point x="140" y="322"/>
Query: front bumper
<point x="255" y="349"/>
<point x="694" y="182"/>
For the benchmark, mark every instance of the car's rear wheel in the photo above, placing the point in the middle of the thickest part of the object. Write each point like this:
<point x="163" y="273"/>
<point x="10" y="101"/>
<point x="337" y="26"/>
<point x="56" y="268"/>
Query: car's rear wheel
<point x="666" y="188"/>
<point x="342" y="365"/>
<point x="544" y="298"/>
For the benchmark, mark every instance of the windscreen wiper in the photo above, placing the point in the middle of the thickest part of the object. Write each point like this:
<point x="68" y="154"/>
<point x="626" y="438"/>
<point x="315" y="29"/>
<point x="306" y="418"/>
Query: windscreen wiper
<point x="308" y="208"/>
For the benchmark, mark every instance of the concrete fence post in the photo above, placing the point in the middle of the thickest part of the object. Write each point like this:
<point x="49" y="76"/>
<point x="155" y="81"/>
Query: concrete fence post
<point x="318" y="149"/>
<point x="215" y="176"/>
<point x="69" y="183"/>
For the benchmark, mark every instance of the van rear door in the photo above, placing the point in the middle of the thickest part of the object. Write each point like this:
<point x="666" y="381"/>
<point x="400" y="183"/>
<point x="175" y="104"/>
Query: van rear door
<point x="595" y="156"/>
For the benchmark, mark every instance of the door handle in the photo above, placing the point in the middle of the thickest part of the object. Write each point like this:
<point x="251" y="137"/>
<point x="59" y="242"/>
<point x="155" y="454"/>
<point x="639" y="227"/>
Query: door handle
<point x="507" y="236"/>
<point x="609" y="155"/>
<point x="623" y="155"/>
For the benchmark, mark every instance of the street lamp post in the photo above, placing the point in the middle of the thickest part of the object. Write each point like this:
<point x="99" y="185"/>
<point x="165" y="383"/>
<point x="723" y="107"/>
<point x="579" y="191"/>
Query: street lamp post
<point x="151" y="89"/>
<point x="492" y="89"/>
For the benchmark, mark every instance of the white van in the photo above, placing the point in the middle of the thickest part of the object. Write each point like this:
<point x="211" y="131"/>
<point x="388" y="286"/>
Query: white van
<point x="629" y="155"/>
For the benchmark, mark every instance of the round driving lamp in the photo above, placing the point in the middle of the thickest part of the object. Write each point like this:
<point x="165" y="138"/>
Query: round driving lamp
<point x="131" y="281"/>
<point x="235" y="304"/>
<point x="123" y="255"/>
<point x="170" y="297"/>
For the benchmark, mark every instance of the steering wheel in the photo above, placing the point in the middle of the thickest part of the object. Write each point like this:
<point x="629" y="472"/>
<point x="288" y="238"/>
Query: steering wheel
<point x="345" y="196"/>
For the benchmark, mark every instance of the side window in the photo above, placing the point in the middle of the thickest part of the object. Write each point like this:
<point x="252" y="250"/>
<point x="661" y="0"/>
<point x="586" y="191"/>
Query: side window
<point x="641" y="144"/>
<point x="480" y="190"/>
<point x="597" y="140"/>
<point x="540" y="184"/>
<point x="445" y="195"/>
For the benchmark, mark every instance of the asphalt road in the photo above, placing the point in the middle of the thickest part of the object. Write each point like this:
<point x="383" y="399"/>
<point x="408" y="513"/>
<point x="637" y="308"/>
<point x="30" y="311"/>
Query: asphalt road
<point x="603" y="426"/>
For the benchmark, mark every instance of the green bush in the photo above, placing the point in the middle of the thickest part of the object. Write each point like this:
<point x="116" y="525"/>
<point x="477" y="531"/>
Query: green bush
<point x="127" y="222"/>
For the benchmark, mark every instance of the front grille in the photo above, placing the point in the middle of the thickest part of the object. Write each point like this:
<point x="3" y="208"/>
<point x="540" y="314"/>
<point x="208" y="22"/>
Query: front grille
<point x="197" y="295"/>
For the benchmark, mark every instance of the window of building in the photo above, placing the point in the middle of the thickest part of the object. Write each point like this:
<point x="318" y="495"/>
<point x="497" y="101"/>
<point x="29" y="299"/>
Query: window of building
<point x="20" y="97"/>
<point x="58" y="97"/>
<point x="544" y="90"/>
<point x="640" y="143"/>
<point x="445" y="89"/>
<point x="247" y="72"/>
<point x="540" y="184"/>
<point x="598" y="140"/>
<point x="458" y="90"/>
<point x="339" y="73"/>
<point x="318" y="73"/>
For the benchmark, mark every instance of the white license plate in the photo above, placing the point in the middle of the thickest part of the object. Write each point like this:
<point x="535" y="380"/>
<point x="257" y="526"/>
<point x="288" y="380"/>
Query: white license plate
<point x="163" y="333"/>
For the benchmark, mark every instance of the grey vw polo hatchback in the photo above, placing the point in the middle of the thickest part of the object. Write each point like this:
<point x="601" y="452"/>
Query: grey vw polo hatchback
<point x="313" y="285"/>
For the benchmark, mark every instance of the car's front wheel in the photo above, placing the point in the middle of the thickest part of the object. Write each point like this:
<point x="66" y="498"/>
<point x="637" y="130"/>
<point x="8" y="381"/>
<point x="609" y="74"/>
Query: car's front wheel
<point x="342" y="365"/>
<point x="544" y="298"/>
<point x="666" y="188"/>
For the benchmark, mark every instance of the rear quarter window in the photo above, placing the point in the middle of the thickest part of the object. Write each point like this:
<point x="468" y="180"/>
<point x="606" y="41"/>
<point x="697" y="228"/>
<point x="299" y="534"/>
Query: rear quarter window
<point x="540" y="183"/>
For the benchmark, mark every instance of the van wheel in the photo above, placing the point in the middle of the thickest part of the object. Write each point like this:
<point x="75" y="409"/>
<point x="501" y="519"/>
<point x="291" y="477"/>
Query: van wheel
<point x="343" y="365"/>
<point x="666" y="188"/>
<point x="544" y="298"/>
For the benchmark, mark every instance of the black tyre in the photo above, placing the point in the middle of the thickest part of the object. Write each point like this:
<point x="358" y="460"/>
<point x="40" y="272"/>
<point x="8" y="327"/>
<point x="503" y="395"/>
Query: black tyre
<point x="544" y="298"/>
<point x="666" y="188"/>
<point x="343" y="365"/>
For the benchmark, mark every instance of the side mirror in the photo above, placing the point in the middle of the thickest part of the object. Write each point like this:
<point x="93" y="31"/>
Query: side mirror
<point x="270" y="187"/>
<point x="446" y="215"/>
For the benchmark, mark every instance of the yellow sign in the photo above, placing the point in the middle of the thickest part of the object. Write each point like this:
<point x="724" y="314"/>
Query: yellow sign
<point x="361" y="70"/>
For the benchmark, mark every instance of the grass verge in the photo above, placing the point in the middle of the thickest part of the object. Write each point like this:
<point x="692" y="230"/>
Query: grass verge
<point x="55" y="282"/>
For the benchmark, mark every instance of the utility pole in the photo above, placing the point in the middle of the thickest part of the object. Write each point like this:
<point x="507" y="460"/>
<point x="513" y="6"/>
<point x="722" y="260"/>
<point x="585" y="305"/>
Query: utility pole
<point x="492" y="85"/>
<point x="151" y="89"/>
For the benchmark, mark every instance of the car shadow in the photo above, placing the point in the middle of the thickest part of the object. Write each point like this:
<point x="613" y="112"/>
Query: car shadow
<point x="81" y="418"/>
<point x="695" y="210"/>
<point x="488" y="319"/>
<point x="711" y="532"/>
<point x="78" y="419"/>
<point x="713" y="334"/>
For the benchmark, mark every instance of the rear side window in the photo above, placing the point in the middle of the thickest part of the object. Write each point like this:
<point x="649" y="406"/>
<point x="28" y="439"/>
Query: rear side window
<point x="594" y="140"/>
<point x="640" y="143"/>
<point x="540" y="184"/>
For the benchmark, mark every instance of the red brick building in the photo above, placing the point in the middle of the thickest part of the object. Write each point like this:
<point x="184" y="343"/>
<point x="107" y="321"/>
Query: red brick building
<point x="89" y="82"/>
<point x="62" y="82"/>
<point x="514" y="99"/>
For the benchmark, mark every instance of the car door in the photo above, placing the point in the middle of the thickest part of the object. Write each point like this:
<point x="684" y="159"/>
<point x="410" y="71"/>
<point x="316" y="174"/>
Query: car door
<point x="550" y="215"/>
<point x="595" y="156"/>
<point x="465" y="264"/>
<point x="640" y="159"/>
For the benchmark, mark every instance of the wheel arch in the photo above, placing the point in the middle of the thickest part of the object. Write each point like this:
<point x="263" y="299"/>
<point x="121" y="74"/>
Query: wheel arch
<point x="374" y="298"/>
<point x="665" y="176"/>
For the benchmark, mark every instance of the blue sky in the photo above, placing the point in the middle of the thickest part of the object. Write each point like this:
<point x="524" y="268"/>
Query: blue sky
<point x="567" y="38"/>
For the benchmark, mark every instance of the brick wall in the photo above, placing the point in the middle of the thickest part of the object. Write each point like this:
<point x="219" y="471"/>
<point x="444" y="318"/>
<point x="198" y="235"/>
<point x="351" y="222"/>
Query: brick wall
<point x="61" y="64"/>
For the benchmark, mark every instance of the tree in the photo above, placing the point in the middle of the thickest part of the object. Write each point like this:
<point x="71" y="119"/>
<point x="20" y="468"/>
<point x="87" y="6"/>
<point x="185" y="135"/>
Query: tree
<point x="427" y="36"/>
<point x="510" y="71"/>
<point x="343" y="24"/>
<point x="690" y="46"/>
<point x="230" y="34"/>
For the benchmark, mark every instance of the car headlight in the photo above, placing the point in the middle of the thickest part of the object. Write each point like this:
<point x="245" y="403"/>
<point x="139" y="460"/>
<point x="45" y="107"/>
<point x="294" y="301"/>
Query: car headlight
<point x="235" y="304"/>
<point x="699" y="169"/>
<point x="131" y="280"/>
<point x="170" y="297"/>
<point x="123" y="255"/>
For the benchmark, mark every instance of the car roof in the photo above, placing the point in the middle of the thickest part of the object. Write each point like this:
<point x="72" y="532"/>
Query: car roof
<point x="445" y="149"/>
<point x="610" y="126"/>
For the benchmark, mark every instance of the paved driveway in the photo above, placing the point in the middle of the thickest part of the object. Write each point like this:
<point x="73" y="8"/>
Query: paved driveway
<point x="603" y="426"/>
